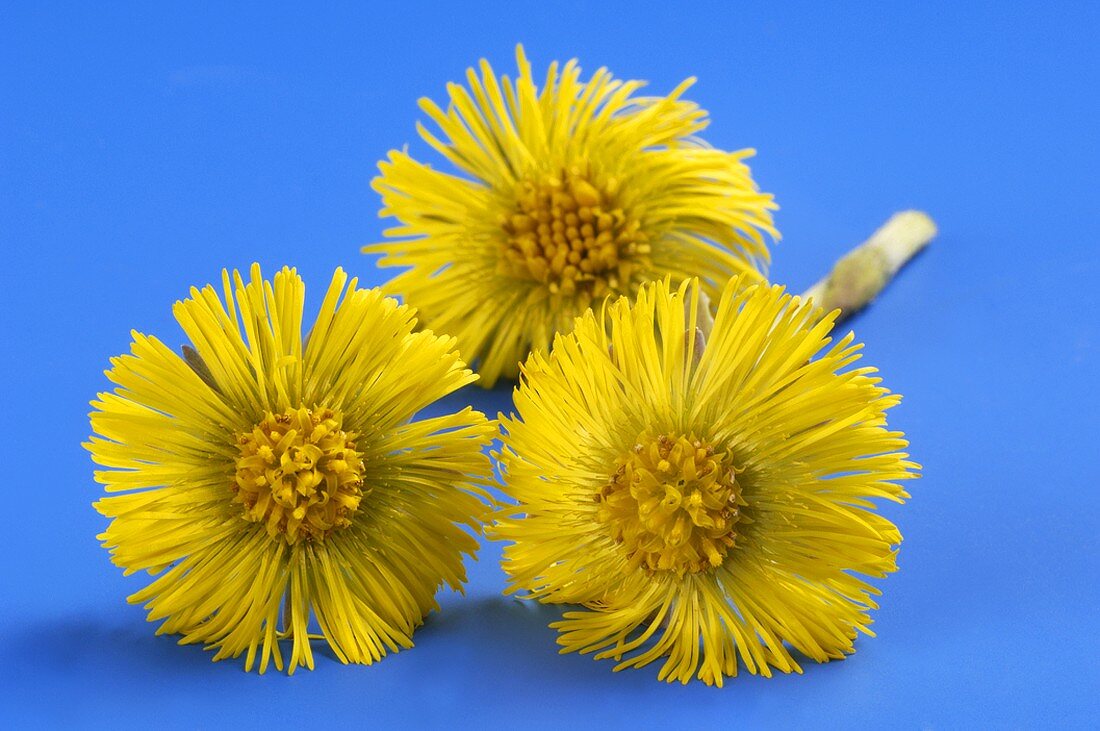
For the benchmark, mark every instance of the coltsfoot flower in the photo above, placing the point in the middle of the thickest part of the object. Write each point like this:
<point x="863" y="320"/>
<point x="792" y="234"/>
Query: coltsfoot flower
<point x="560" y="196"/>
<point x="706" y="500"/>
<point x="273" y="483"/>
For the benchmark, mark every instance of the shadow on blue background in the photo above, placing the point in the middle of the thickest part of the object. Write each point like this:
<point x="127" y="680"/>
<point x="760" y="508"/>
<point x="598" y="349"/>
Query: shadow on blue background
<point x="144" y="148"/>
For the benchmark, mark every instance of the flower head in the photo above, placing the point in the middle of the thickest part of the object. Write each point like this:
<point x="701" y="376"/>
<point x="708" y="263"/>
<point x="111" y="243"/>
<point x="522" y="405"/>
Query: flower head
<point x="560" y="196"/>
<point x="272" y="482"/>
<point x="706" y="500"/>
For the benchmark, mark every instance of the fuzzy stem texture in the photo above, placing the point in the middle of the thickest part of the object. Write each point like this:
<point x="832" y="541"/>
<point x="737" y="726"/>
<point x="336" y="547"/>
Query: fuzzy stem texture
<point x="863" y="272"/>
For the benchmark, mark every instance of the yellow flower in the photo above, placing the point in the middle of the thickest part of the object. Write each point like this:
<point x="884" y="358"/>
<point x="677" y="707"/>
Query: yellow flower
<point x="704" y="499"/>
<point x="563" y="195"/>
<point x="272" y="483"/>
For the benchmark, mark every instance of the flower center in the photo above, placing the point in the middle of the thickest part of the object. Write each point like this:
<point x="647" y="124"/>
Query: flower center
<point x="672" y="503"/>
<point x="571" y="235"/>
<point x="299" y="473"/>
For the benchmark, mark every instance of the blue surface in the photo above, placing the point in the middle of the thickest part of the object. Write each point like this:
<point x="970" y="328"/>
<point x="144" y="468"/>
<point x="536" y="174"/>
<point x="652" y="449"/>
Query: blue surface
<point x="142" y="150"/>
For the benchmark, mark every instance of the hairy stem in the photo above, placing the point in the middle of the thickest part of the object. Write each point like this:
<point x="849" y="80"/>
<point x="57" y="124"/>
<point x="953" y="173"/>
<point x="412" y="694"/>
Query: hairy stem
<point x="863" y="272"/>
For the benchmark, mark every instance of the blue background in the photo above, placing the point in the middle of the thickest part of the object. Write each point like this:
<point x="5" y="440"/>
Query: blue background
<point x="142" y="149"/>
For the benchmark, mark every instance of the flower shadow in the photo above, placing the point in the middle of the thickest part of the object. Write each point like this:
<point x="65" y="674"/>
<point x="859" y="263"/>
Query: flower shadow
<point x="83" y="645"/>
<point x="507" y="639"/>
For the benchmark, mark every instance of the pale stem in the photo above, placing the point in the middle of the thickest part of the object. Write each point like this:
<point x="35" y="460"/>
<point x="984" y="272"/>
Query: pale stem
<point x="704" y="323"/>
<point x="863" y="272"/>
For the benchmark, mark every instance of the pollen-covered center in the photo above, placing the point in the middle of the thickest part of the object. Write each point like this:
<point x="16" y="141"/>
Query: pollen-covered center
<point x="572" y="235"/>
<point x="299" y="474"/>
<point x="672" y="504"/>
